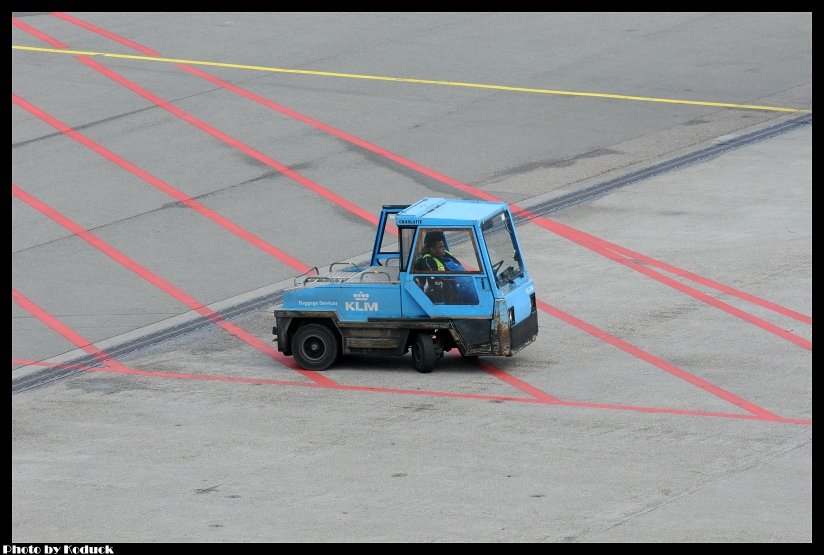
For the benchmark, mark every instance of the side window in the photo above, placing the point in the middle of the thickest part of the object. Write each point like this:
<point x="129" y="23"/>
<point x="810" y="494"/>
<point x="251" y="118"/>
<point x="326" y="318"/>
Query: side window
<point x="442" y="250"/>
<point x="388" y="252"/>
<point x="407" y="233"/>
<point x="389" y="241"/>
<point x="462" y="246"/>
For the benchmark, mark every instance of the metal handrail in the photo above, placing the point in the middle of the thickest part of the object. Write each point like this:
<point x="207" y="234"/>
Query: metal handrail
<point x="297" y="277"/>
<point x="317" y="279"/>
<point x="355" y="266"/>
<point x="388" y="277"/>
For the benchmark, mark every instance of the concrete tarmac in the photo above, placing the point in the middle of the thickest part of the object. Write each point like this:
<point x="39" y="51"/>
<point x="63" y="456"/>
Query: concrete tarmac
<point x="663" y="417"/>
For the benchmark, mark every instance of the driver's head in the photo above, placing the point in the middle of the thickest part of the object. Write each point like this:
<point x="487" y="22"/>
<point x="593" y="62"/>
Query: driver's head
<point x="434" y="243"/>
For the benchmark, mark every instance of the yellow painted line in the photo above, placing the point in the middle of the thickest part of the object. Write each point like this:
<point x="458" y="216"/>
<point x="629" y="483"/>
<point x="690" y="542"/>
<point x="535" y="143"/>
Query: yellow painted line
<point x="410" y="80"/>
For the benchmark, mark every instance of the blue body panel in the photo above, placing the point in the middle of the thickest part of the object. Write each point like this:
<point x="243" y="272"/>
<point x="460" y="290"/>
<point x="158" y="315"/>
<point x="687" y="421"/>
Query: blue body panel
<point x="354" y="302"/>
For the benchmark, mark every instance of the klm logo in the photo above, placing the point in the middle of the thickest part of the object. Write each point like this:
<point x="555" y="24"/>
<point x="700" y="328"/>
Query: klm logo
<point x="361" y="303"/>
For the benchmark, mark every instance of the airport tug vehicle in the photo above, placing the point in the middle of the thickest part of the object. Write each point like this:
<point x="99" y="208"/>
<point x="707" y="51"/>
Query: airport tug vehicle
<point x="481" y="304"/>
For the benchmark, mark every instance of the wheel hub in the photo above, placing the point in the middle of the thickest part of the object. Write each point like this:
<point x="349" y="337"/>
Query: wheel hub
<point x="314" y="348"/>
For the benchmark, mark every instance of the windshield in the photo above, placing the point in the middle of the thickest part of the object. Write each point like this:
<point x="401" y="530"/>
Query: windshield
<point x="502" y="248"/>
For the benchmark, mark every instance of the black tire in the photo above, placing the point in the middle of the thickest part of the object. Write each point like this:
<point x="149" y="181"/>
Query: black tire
<point x="423" y="353"/>
<point x="315" y="347"/>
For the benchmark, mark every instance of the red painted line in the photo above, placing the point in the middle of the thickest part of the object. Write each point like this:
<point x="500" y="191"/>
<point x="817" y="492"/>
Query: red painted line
<point x="165" y="286"/>
<point x="763" y="324"/>
<point x="231" y="141"/>
<point x="597" y="245"/>
<point x="551" y="225"/>
<point x="51" y="41"/>
<point x="69" y="334"/>
<point x="515" y="382"/>
<point x="447" y="394"/>
<point x="655" y="361"/>
<point x="681" y="412"/>
<point x="161" y="185"/>
<point x="107" y="34"/>
<point x="703" y="281"/>
<point x="340" y="134"/>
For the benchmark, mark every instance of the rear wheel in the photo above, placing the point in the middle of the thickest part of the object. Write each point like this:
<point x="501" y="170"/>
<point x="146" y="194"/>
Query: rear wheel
<point x="315" y="346"/>
<point x="423" y="353"/>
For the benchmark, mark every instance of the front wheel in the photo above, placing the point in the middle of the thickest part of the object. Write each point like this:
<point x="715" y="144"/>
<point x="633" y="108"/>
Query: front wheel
<point x="315" y="347"/>
<point x="423" y="353"/>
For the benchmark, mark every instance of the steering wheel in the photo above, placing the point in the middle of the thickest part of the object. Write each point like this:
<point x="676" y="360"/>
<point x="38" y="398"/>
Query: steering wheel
<point x="509" y="273"/>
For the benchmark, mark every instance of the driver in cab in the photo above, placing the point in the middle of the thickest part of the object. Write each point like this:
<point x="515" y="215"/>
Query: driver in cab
<point x="435" y="258"/>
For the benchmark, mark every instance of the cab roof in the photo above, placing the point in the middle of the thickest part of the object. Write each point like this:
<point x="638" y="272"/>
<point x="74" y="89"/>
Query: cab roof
<point x="441" y="211"/>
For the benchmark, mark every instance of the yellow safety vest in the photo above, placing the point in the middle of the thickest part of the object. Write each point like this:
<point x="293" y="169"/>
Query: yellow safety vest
<point x="438" y="263"/>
